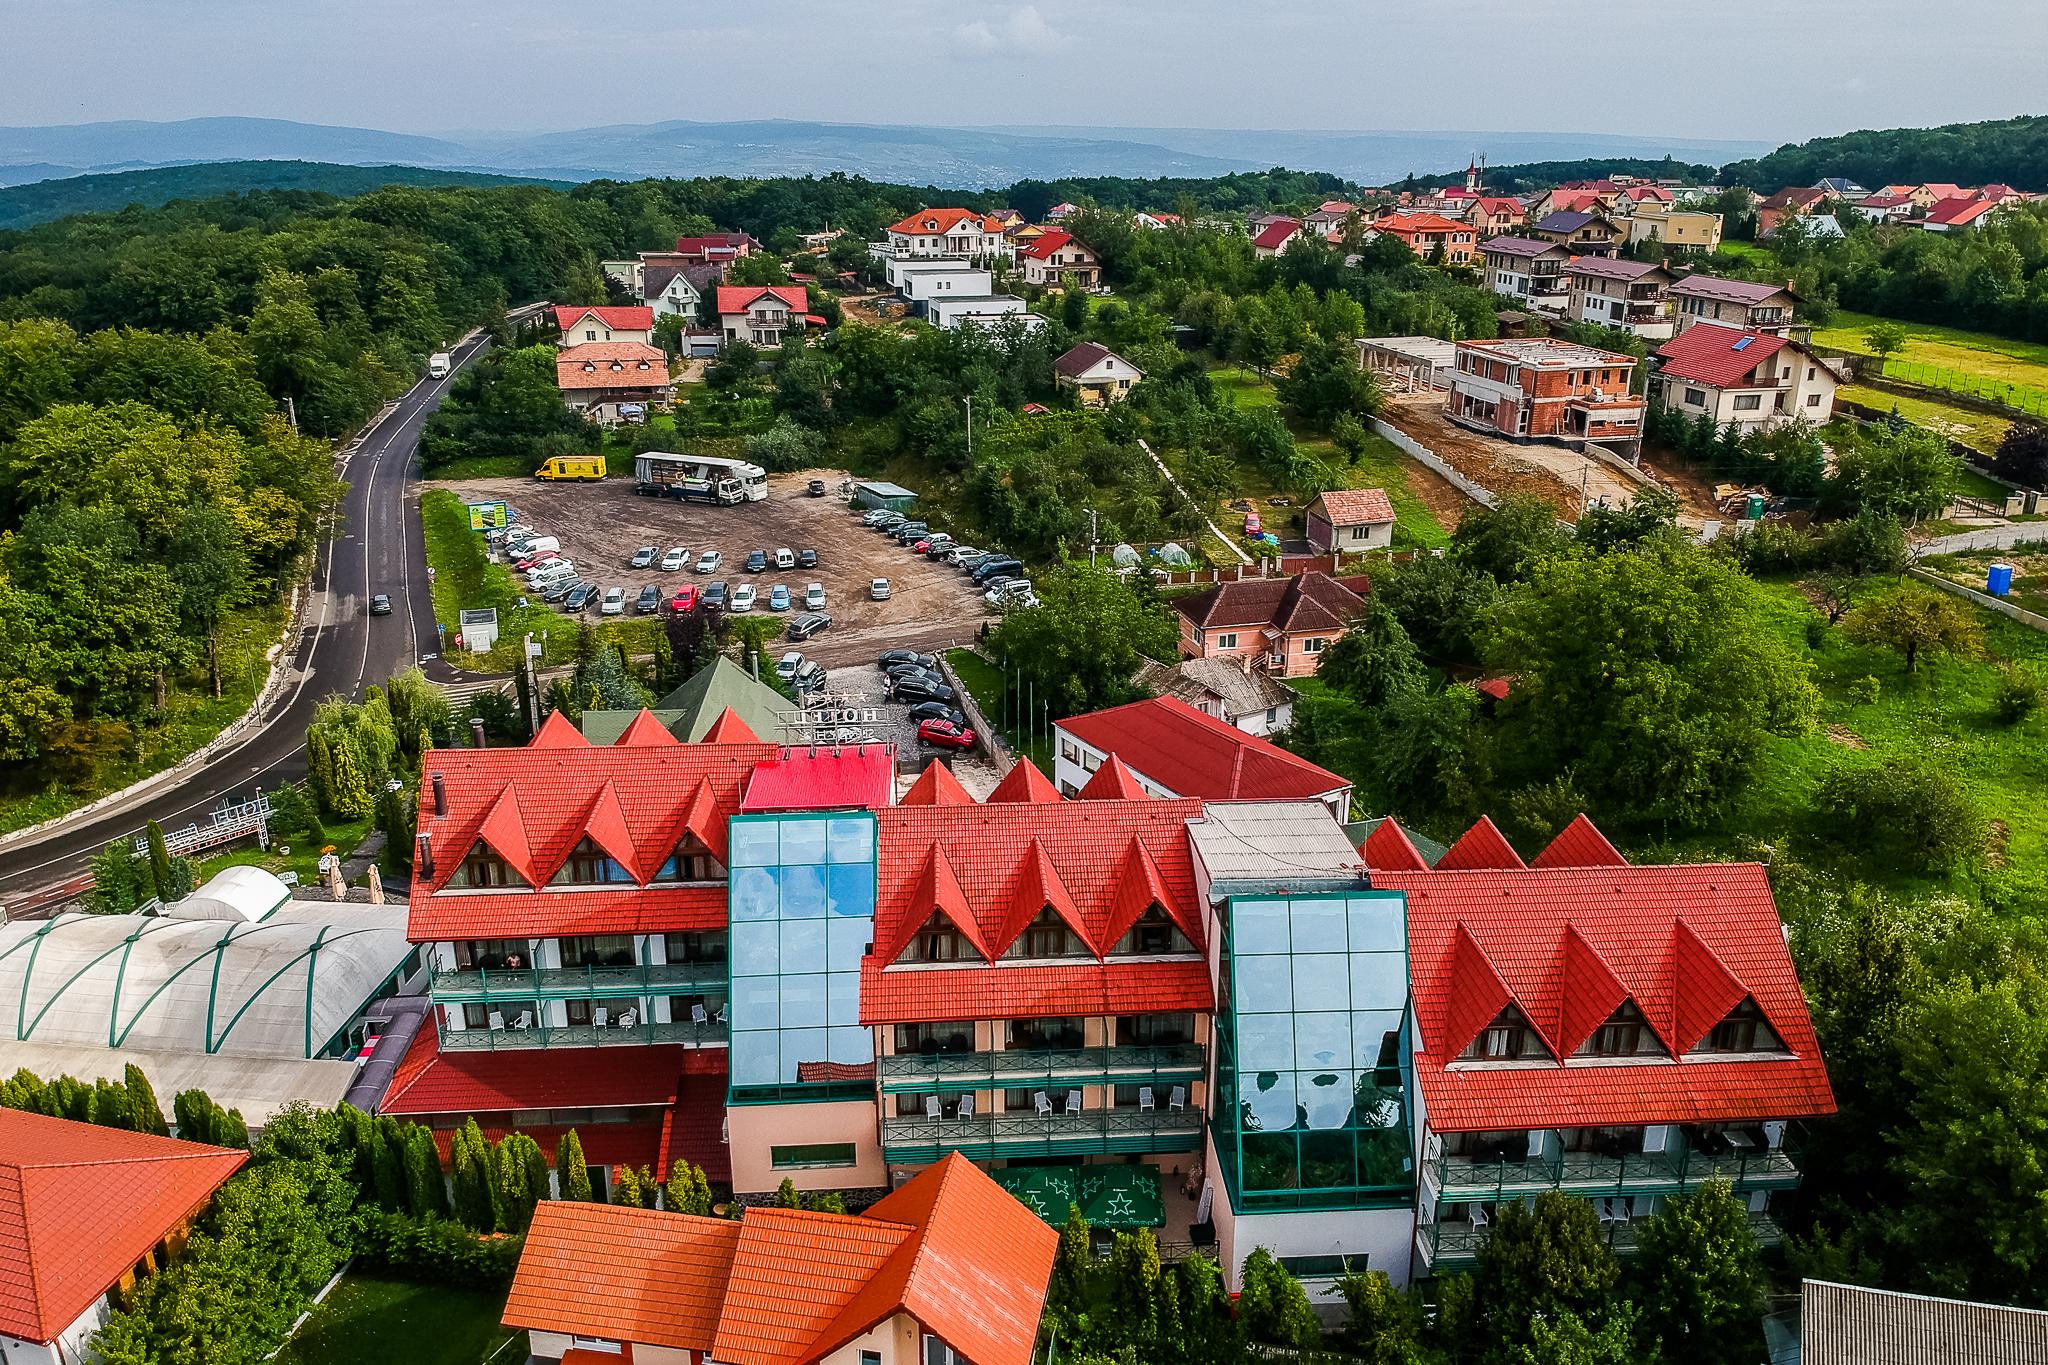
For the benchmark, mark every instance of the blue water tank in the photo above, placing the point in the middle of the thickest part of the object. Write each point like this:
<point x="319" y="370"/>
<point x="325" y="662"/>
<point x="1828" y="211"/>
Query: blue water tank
<point x="1998" y="580"/>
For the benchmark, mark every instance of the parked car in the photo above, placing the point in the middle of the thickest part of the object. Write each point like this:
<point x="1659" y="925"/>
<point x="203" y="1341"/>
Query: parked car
<point x="919" y="689"/>
<point x="675" y="559"/>
<point x="709" y="561"/>
<point x="968" y="563"/>
<point x="685" y="599"/>
<point x="650" y="601"/>
<point x="715" y="595"/>
<point x="380" y="604"/>
<point x="809" y="624"/>
<point x="614" y="603"/>
<point x="643" y="556"/>
<point x="907" y="656"/>
<point x="910" y="533"/>
<point x="958" y="554"/>
<point x="879" y="590"/>
<point x="896" y="673"/>
<point x="778" y="597"/>
<point x="534" y="561"/>
<point x="936" y="710"/>
<point x="816" y="488"/>
<point x="757" y="561"/>
<point x="559" y="590"/>
<point x="814" y="597"/>
<point x="879" y="515"/>
<point x="807" y="559"/>
<point x="944" y="734"/>
<point x="786" y="667"/>
<point x="743" y="597"/>
<point x="1253" y="527"/>
<point x="785" y="558"/>
<point x="648" y="490"/>
<point x="811" y="677"/>
<point x="989" y="568"/>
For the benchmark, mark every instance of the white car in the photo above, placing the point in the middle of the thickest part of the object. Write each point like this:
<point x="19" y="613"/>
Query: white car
<point x="643" y="556"/>
<point x="789" y="665"/>
<point x="814" y="597"/>
<point x="879" y="590"/>
<point x="785" y="558"/>
<point x="614" y="602"/>
<point x="709" y="561"/>
<point x="675" y="559"/>
<point x="743" y="597"/>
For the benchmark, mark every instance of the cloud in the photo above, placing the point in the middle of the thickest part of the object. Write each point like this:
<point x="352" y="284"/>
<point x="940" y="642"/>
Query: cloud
<point x="1025" y="33"/>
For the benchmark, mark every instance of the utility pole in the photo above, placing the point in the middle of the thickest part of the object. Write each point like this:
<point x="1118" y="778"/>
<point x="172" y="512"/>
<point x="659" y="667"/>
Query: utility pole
<point x="1091" y="537"/>
<point x="291" y="413"/>
<point x="970" y="427"/>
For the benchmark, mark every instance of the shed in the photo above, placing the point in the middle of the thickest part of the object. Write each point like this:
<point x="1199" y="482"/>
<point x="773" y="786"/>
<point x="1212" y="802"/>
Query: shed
<point x="876" y="493"/>
<point x="1351" y="520"/>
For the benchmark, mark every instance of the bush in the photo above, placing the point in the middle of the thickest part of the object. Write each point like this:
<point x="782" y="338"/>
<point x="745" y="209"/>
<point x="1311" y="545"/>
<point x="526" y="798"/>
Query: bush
<point x="1865" y="690"/>
<point x="436" y="1251"/>
<point x="2017" y="695"/>
<point x="1774" y="547"/>
<point x="1905" y="812"/>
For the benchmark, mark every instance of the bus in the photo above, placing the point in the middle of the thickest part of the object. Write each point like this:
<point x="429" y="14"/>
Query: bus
<point x="700" y="471"/>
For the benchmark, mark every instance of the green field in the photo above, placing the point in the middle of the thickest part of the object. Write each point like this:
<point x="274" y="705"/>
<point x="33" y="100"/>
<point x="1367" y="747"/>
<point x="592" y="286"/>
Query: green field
<point x="296" y="854"/>
<point x="985" y="682"/>
<point x="368" y="1321"/>
<point x="1978" y="430"/>
<point x="1993" y="368"/>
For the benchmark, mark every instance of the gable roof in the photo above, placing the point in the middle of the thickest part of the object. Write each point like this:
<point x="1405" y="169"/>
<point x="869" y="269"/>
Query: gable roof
<point x="1306" y="601"/>
<point x="80" y="1205"/>
<point x="1614" y="268"/>
<point x="1717" y="356"/>
<point x="1519" y="246"/>
<point x="1241" y="689"/>
<point x="630" y="318"/>
<point x="1193" y="754"/>
<point x="660" y="1280"/>
<point x="1491" y="204"/>
<point x="611" y="364"/>
<point x="1086" y="357"/>
<point x="1399" y="223"/>
<point x="1355" y="506"/>
<point x="1960" y="212"/>
<point x="1046" y="243"/>
<point x="1276" y="233"/>
<point x="1568" y="221"/>
<point x="1723" y="290"/>
<point x="738" y="298"/>
<point x="938" y="222"/>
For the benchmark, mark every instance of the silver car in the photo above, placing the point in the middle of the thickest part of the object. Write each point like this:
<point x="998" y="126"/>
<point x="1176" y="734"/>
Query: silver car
<point x="614" y="603"/>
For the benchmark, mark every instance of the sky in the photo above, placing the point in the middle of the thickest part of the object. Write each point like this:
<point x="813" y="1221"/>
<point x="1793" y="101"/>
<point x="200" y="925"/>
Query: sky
<point x="1741" y="69"/>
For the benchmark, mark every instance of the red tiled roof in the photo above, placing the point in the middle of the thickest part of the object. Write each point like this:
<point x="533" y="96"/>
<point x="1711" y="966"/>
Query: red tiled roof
<point x="1024" y="784"/>
<point x="1482" y="846"/>
<point x="618" y="1273"/>
<point x="611" y="365"/>
<point x="843" y="777"/>
<point x="1497" y="688"/>
<point x="729" y="729"/>
<point x="1685" y="943"/>
<point x="1356" y="506"/>
<point x="1276" y="233"/>
<point x="694" y="1127"/>
<point x="1960" y="212"/>
<point x="1083" y="358"/>
<point x="712" y="242"/>
<point x="938" y="222"/>
<point x="630" y="1075"/>
<point x="80" y="1205"/>
<point x="647" y="729"/>
<point x="1719" y="357"/>
<point x="1407" y="224"/>
<point x="625" y="319"/>
<point x="911" y="995"/>
<point x="1193" y="754"/>
<point x="1389" y="848"/>
<point x="1580" y="844"/>
<point x="1042" y="247"/>
<point x="738" y="298"/>
<point x="1305" y="601"/>
<point x="558" y="732"/>
<point x="1495" y="204"/>
<point x="936" y="786"/>
<point x="1113" y="781"/>
<point x="1724" y="290"/>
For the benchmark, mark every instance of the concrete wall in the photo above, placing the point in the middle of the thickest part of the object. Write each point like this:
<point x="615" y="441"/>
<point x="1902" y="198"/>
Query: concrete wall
<point x="1984" y="600"/>
<point x="752" y="1129"/>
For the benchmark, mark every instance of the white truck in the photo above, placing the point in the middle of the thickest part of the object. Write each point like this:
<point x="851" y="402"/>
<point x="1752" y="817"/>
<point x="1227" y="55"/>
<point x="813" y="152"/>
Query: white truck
<point x="439" y="364"/>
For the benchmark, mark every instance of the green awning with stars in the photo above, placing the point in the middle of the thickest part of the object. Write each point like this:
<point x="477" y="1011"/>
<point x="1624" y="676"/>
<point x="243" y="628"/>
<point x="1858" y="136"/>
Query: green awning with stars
<point x="1109" y="1196"/>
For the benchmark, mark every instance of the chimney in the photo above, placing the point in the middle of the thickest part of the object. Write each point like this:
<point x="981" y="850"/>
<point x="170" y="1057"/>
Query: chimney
<point x="440" y="797"/>
<point x="1789" y="285"/>
<point x="476" y="733"/>
<point x="425" y="856"/>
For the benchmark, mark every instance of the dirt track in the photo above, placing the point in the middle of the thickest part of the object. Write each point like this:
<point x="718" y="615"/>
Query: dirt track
<point x="600" y="526"/>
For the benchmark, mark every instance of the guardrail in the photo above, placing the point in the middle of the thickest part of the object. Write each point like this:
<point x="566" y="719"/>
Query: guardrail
<point x="514" y="1039"/>
<point x="528" y="983"/>
<point x="1464" y="1178"/>
<point x="1455" y="1243"/>
<point x="1011" y="1134"/>
<point x="1017" y="1067"/>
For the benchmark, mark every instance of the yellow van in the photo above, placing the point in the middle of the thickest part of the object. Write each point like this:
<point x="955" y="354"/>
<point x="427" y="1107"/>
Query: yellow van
<point x="572" y="467"/>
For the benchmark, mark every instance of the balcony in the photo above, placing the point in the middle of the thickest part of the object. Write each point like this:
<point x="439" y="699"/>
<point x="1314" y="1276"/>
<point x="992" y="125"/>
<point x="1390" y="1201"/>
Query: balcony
<point x="482" y="985"/>
<point x="1459" y="1179"/>
<point x="1455" y="1245"/>
<point x="711" y="1033"/>
<point x="1021" y="1135"/>
<point x="1017" y="1069"/>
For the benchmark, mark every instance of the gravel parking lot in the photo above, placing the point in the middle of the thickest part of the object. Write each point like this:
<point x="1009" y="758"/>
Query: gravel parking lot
<point x="861" y="687"/>
<point x="933" y="606"/>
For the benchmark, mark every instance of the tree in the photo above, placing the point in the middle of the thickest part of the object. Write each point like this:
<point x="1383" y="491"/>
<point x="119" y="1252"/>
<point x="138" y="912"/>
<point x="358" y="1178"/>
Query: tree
<point x="1134" y="1277"/>
<point x="1697" y="1280"/>
<point x="1273" y="1306"/>
<point x="1544" y="1260"/>
<point x="1916" y="620"/>
<point x="1885" y="339"/>
<point x="1603" y="528"/>
<point x="571" y="1171"/>
<point x="1442" y="603"/>
<point x="120" y="879"/>
<point x="517" y="1161"/>
<point x="1327" y="383"/>
<point x="1507" y="542"/>
<point x="1382" y="1325"/>
<point x="1907" y="473"/>
<point x="687" y="1190"/>
<point x="631" y="1188"/>
<point x="1900" y="812"/>
<point x="148" y="1115"/>
<point x="476" y="1201"/>
<point x="1649" y="673"/>
<point x="159" y="860"/>
<point x="786" y="1196"/>
<point x="1374" y="661"/>
<point x="1078" y="649"/>
<point x="2023" y="455"/>
<point x="426" y="1189"/>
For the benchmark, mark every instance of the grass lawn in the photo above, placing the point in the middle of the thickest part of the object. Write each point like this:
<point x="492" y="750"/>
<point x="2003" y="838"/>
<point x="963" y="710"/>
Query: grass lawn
<point x="1729" y="247"/>
<point x="192" y="718"/>
<point x="297" y="854"/>
<point x="368" y="1321"/>
<point x="2011" y="372"/>
<point x="985" y="682"/>
<point x="1978" y="430"/>
<point x="2030" y="572"/>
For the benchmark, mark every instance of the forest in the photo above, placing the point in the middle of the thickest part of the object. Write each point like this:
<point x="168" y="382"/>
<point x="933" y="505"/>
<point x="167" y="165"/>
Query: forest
<point x="2006" y="151"/>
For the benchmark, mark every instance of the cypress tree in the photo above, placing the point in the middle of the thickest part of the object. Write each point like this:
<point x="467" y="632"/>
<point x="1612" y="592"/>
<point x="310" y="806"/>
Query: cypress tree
<point x="626" y="1187"/>
<point x="358" y="1135"/>
<point x="70" y="1100"/>
<point x="786" y="1196"/>
<point x="320" y="768"/>
<point x="387" y="1164"/>
<point x="571" y="1170"/>
<point x="536" y="1166"/>
<point x="230" y="1130"/>
<point x="159" y="860"/>
<point x="515" y="1197"/>
<point x="688" y="1190"/>
<point x="475" y="1202"/>
<point x="24" y="1090"/>
<point x="142" y="1102"/>
<point x="426" y="1191"/>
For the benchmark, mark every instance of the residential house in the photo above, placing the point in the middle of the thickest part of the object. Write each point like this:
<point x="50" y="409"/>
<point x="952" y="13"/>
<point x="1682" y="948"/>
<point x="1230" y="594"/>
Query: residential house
<point x="1786" y="203"/>
<point x="761" y="313"/>
<point x="678" y="290"/>
<point x="1348" y="520"/>
<point x="790" y="1286"/>
<point x="1166" y="750"/>
<point x="1752" y="380"/>
<point x="1577" y="198"/>
<point x="1056" y="260"/>
<point x="1839" y="187"/>
<point x="1232" y="690"/>
<point x="1329" y="214"/>
<point x="1621" y="1033"/>
<point x="721" y="248"/>
<point x="1427" y="234"/>
<point x="85" y="1212"/>
<point x="1157" y="222"/>
<point x="1060" y="212"/>
<point x="1742" y="304"/>
<point x="1097" y="374"/>
<point x="1926" y="196"/>
<point x="1850" y="1324"/>
<point x="1635" y="198"/>
<point x="580" y="324"/>
<point x="921" y="281"/>
<point x="989" y="310"/>
<point x="1492" y="215"/>
<point x="1885" y="207"/>
<point x="1581" y="232"/>
<point x="1950" y="215"/>
<point x="599" y="378"/>
<point x="948" y="232"/>
<point x="1684" y="230"/>
<point x="1283" y="624"/>
<point x="1545" y="388"/>
<point x="1528" y="270"/>
<point x="1274" y="237"/>
<point x="1628" y="295"/>
<point x="1811" y="227"/>
<point x="1408" y="364"/>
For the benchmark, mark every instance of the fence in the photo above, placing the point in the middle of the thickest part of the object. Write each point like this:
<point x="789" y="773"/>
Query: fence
<point x="2021" y="398"/>
<point x="1429" y="459"/>
<point x="228" y="824"/>
<point x="1285" y="566"/>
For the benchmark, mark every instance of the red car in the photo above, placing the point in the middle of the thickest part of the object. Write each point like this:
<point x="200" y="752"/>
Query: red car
<point x="543" y="557"/>
<point x="944" y="734"/>
<point x="922" y="547"/>
<point x="685" y="598"/>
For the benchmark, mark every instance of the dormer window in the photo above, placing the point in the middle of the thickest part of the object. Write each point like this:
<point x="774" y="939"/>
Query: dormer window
<point x="589" y="367"/>
<point x="482" y="867"/>
<point x="691" y="862"/>
<point x="1153" y="935"/>
<point x="1744" y="1030"/>
<point x="940" y="940"/>
<point x="589" y="865"/>
<point x="1047" y="936"/>
<point x="1509" y="1038"/>
<point x="1625" y="1034"/>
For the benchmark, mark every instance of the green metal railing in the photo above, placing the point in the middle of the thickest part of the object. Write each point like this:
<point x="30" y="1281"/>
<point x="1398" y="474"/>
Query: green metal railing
<point x="1018" y="1068"/>
<point x="1447" y="1246"/>
<point x="484" y="984"/>
<point x="1015" y="1134"/>
<point x="711" y="1033"/>
<point x="1686" y="1167"/>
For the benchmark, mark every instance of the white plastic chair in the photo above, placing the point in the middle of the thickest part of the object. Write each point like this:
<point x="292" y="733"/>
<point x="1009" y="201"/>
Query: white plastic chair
<point x="699" y="1015"/>
<point x="1480" y="1217"/>
<point x="525" y="1019"/>
<point x="1073" y="1102"/>
<point x="1043" y="1102"/>
<point x="601" y="1016"/>
<point x="1177" y="1098"/>
<point x="496" y="1019"/>
<point x="1145" y="1097"/>
<point x="932" y="1108"/>
<point x="629" y="1018"/>
<point x="966" y="1110"/>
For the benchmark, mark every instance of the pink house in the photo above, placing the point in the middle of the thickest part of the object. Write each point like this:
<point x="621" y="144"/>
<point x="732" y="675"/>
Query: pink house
<point x="1279" y="624"/>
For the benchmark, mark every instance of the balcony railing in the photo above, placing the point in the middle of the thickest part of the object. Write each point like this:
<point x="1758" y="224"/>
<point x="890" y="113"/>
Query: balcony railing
<point x="1017" y="1068"/>
<point x="1450" y="1246"/>
<point x="1458" y="1179"/>
<point x="711" y="1033"/>
<point x="1015" y="1134"/>
<point x="575" y="983"/>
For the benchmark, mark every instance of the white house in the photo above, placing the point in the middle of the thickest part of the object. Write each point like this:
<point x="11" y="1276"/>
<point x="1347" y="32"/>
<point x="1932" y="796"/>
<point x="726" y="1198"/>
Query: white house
<point x="581" y="324"/>
<point x="1099" y="375"/>
<point x="1751" y="379"/>
<point x="1232" y="690"/>
<point x="1629" y="296"/>
<point x="677" y="290"/>
<point x="949" y="312"/>
<point x="948" y="232"/>
<point x="760" y="314"/>
<point x="924" y="282"/>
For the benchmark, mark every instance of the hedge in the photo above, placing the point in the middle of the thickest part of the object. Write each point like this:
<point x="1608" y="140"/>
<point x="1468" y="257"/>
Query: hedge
<point x="436" y="1251"/>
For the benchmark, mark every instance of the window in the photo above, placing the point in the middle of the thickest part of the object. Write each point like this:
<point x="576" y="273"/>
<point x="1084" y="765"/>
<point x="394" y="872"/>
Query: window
<point x="1155" y="1030"/>
<point x="1813" y="400"/>
<point x="691" y="862"/>
<point x="1047" y="936"/>
<point x="1154" y="933"/>
<point x="707" y="946"/>
<point x="1744" y="1030"/>
<point x="934" y="1038"/>
<point x="1507" y="1039"/>
<point x="1227" y="640"/>
<point x="482" y="866"/>
<point x="1625" y="1034"/>
<point x="1044" y="1035"/>
<point x="589" y="865"/>
<point x="1695" y="398"/>
<point x="1313" y="645"/>
<point x="870" y="1358"/>
<point x="1748" y="402"/>
<point x="598" y="950"/>
<point x="1071" y="751"/>
<point x="939" y="941"/>
<point x="493" y="954"/>
<point x="806" y="1156"/>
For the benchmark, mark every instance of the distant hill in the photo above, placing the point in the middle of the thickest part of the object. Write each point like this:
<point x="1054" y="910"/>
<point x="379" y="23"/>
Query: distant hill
<point x="26" y="205"/>
<point x="2009" y="151"/>
<point x="1539" y="175"/>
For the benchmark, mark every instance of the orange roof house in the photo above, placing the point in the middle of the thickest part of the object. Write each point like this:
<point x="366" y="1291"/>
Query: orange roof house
<point x="81" y="1208"/>
<point x="1425" y="232"/>
<point x="949" y="1256"/>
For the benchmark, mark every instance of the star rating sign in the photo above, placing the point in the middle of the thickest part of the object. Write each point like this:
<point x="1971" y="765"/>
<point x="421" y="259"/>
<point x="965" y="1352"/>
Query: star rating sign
<point x="1119" y="1206"/>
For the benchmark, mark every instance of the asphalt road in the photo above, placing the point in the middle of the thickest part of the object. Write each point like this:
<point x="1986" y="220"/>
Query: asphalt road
<point x="340" y="648"/>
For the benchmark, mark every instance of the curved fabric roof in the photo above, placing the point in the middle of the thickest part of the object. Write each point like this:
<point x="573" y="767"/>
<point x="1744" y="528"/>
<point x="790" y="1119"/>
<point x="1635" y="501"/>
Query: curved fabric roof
<point x="241" y="892"/>
<point x="281" y="988"/>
